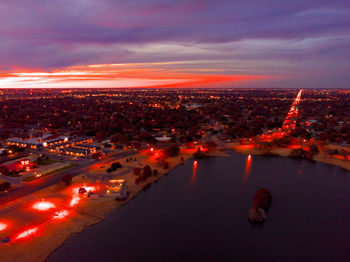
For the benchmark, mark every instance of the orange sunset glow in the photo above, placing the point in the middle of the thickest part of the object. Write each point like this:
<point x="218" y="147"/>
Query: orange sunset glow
<point x="119" y="75"/>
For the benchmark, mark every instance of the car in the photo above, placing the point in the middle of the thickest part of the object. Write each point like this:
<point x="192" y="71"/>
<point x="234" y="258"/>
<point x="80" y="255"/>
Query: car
<point x="5" y="240"/>
<point x="82" y="190"/>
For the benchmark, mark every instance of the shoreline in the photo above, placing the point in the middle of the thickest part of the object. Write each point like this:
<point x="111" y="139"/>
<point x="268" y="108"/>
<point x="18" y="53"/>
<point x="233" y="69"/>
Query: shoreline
<point x="284" y="152"/>
<point x="88" y="213"/>
<point x="93" y="211"/>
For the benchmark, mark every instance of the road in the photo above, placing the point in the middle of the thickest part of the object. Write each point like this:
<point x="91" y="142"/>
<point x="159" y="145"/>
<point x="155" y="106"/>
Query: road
<point x="43" y="182"/>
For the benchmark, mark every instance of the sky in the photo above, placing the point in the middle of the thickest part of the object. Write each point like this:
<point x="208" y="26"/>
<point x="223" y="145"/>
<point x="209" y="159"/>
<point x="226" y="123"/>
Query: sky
<point x="168" y="43"/>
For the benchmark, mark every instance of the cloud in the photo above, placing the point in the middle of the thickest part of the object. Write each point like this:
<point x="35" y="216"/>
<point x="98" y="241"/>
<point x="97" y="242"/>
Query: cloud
<point x="236" y="37"/>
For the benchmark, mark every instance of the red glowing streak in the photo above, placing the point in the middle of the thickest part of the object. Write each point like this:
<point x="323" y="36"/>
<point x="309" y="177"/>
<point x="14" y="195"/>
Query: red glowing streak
<point x="193" y="178"/>
<point x="43" y="205"/>
<point x="61" y="214"/>
<point x="248" y="163"/>
<point x="27" y="233"/>
<point x="75" y="200"/>
<point x="290" y="120"/>
<point x="2" y="226"/>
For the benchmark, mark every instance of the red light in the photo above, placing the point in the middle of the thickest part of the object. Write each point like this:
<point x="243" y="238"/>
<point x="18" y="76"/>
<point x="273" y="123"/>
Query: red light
<point x="61" y="214"/>
<point x="27" y="233"/>
<point x="2" y="226"/>
<point x="25" y="162"/>
<point x="151" y="149"/>
<point x="195" y="163"/>
<point x="75" y="200"/>
<point x="43" y="205"/>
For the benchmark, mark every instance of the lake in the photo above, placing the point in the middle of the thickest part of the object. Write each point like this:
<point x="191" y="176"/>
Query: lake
<point x="200" y="214"/>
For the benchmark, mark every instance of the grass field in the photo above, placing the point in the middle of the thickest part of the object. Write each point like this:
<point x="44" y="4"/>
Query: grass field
<point x="32" y="178"/>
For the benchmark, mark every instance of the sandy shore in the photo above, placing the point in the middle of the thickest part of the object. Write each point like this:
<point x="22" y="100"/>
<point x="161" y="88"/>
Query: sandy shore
<point x="320" y="157"/>
<point x="52" y="233"/>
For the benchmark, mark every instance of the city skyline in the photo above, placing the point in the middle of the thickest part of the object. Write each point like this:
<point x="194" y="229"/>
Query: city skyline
<point x="89" y="44"/>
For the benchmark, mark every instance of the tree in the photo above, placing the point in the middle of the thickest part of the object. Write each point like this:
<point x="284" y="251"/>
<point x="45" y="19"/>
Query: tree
<point x="15" y="148"/>
<point x="137" y="180"/>
<point x="115" y="165"/>
<point x="331" y="152"/>
<point x="4" y="171"/>
<point x="301" y="153"/>
<point x="38" y="160"/>
<point x="67" y="179"/>
<point x="136" y="145"/>
<point x="297" y="153"/>
<point x="147" y="171"/>
<point x="344" y="153"/>
<point x="165" y="165"/>
<point x="155" y="172"/>
<point x="120" y="139"/>
<point x="210" y="145"/>
<point x="314" y="149"/>
<point x="5" y="186"/>
<point x="100" y="135"/>
<point x="172" y="151"/>
<point x="137" y="171"/>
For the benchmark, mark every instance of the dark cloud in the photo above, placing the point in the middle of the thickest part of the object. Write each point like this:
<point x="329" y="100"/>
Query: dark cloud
<point x="51" y="34"/>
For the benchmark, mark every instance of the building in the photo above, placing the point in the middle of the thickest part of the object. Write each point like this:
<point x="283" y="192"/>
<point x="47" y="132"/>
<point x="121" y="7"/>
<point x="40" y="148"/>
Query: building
<point x="115" y="188"/>
<point x="80" y="142"/>
<point x="38" y="143"/>
<point x="19" y="165"/>
<point x="77" y="151"/>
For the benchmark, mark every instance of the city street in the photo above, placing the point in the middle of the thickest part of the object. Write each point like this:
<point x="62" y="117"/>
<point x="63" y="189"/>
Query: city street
<point x="44" y="182"/>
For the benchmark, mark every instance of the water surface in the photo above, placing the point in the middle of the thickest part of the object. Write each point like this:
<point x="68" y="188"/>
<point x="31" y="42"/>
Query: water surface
<point x="201" y="215"/>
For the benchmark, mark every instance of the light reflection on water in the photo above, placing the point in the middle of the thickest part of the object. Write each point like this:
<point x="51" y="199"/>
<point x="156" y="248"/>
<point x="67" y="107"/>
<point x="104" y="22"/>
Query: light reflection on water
<point x="248" y="164"/>
<point x="194" y="171"/>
